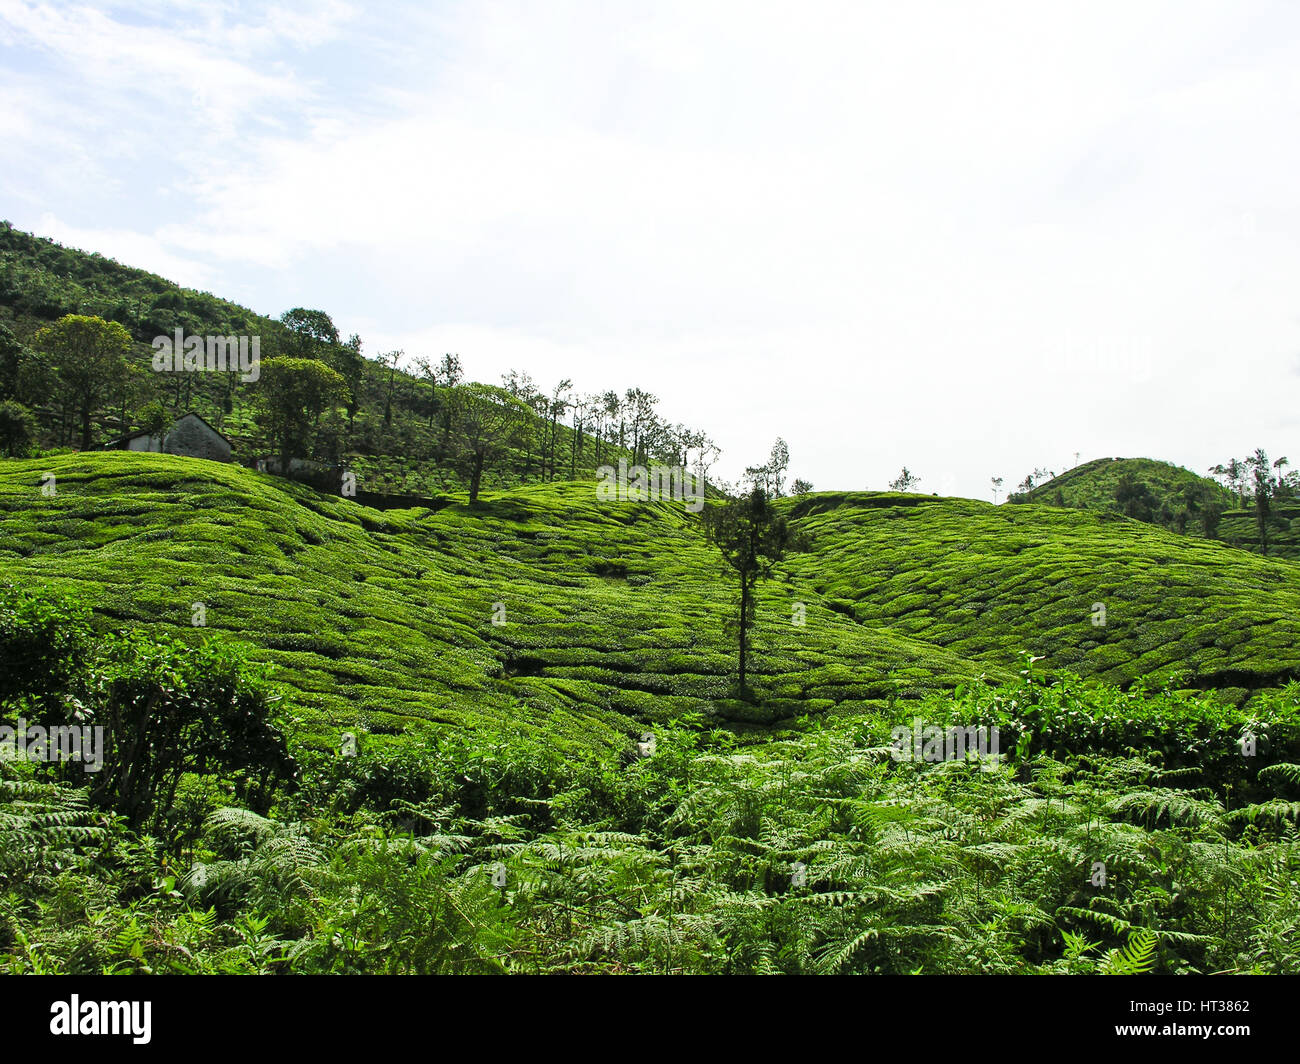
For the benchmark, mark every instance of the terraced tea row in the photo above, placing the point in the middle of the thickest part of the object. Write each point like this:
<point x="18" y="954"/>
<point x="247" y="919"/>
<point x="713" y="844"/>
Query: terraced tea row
<point x="1095" y="593"/>
<point x="539" y="606"/>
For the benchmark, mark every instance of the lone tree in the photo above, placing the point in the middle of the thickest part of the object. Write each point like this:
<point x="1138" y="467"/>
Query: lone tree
<point x="88" y="358"/>
<point x="752" y="539"/>
<point x="905" y="481"/>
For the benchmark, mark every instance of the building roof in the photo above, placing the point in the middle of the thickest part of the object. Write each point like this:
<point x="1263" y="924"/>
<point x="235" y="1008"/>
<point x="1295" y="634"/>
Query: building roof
<point x="114" y="443"/>
<point x="191" y="413"/>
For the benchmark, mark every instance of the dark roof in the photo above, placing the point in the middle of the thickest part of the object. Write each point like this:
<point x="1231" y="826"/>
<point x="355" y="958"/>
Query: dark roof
<point x="113" y="444"/>
<point x="191" y="413"/>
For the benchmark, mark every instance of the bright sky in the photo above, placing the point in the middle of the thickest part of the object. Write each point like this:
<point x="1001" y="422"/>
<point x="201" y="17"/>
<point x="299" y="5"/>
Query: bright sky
<point x="972" y="238"/>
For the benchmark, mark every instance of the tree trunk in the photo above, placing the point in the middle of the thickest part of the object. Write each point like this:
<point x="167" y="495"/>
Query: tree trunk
<point x="85" y="428"/>
<point x="744" y="628"/>
<point x="476" y="477"/>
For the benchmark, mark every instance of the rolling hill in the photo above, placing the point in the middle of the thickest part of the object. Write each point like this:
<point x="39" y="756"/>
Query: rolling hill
<point x="1091" y="485"/>
<point x="620" y="614"/>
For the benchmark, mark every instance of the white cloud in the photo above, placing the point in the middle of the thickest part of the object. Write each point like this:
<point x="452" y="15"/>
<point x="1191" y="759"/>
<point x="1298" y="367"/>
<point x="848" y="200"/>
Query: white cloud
<point x="974" y="240"/>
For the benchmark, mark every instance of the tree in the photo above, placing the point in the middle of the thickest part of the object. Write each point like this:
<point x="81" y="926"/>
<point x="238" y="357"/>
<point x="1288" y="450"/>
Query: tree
<point x="17" y="429"/>
<point x="168" y="708"/>
<point x="448" y="376"/>
<point x="752" y="539"/>
<point x="521" y="386"/>
<point x="640" y="407"/>
<point x="450" y="371"/>
<point x="1135" y="498"/>
<point x="11" y="360"/>
<point x="389" y="362"/>
<point x="777" y="463"/>
<point x="1259" y="467"/>
<point x="88" y="358"/>
<point x="152" y="418"/>
<point x="1235" y="475"/>
<point x="490" y="420"/>
<point x="770" y="476"/>
<point x="800" y="487"/>
<point x="611" y="408"/>
<point x="710" y="452"/>
<point x="555" y="409"/>
<point x="293" y="393"/>
<point x="997" y="487"/>
<point x="905" y="481"/>
<point x="1281" y="487"/>
<point x="1199" y="501"/>
<point x="351" y="365"/>
<point x="308" y="333"/>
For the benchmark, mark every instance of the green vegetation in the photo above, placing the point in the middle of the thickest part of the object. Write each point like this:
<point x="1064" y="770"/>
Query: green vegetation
<point x="496" y="729"/>
<point x="811" y="850"/>
<point x="1175" y="498"/>
<point x="403" y="427"/>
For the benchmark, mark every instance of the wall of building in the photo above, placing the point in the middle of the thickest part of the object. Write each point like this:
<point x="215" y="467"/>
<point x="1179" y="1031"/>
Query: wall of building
<point x="190" y="436"/>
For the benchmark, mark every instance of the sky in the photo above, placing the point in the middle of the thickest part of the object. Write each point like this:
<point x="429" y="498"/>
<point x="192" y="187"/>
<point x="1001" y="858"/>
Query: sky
<point x="968" y="238"/>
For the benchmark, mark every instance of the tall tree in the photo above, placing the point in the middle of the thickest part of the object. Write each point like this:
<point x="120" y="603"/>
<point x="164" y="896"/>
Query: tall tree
<point x="556" y="406"/>
<point x="308" y="333"/>
<point x="753" y="538"/>
<point x="88" y="358"/>
<point x="351" y="366"/>
<point x="12" y="354"/>
<point x="1235" y="474"/>
<point x="293" y="393"/>
<point x="389" y="362"/>
<point x="640" y="407"/>
<point x="777" y="464"/>
<point x="1262" y="493"/>
<point x="490" y="421"/>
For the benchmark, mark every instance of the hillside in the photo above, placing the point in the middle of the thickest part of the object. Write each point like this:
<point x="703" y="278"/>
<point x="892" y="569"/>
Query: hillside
<point x="619" y="614"/>
<point x="986" y="582"/>
<point x="1175" y="498"/>
<point x="613" y="614"/>
<point x="396" y="428"/>
<point x="1091" y="486"/>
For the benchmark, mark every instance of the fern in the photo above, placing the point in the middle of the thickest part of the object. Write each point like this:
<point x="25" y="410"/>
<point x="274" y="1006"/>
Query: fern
<point x="1136" y="958"/>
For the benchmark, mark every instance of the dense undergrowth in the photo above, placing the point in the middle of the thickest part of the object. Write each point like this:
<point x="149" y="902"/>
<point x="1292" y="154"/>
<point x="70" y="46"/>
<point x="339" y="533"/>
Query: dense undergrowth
<point x="689" y="860"/>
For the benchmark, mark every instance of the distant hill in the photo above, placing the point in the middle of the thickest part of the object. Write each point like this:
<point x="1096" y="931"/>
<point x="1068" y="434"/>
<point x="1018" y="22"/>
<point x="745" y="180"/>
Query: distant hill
<point x="1172" y="497"/>
<point x="1177" y="494"/>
